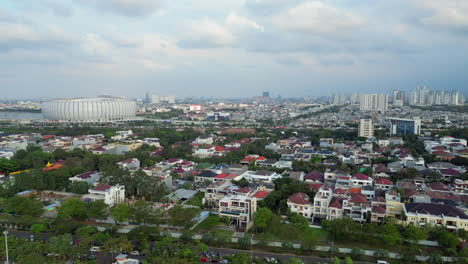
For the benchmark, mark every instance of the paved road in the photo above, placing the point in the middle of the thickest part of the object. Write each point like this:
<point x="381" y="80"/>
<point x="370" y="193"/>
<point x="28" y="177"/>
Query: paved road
<point x="279" y="256"/>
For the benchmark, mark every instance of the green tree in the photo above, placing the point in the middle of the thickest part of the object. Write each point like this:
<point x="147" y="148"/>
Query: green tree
<point x="74" y="208"/>
<point x="79" y="187"/>
<point x="180" y="216"/>
<point x="97" y="209"/>
<point x="23" y="206"/>
<point x="121" y="212"/>
<point x="299" y="221"/>
<point x="381" y="253"/>
<point x="294" y="261"/>
<point x="85" y="231"/>
<point x="240" y="258"/>
<point x="447" y="240"/>
<point x="414" y="233"/>
<point x="61" y="244"/>
<point x="336" y="260"/>
<point x="244" y="242"/>
<point x="390" y="234"/>
<point x="37" y="228"/>
<point x="7" y="166"/>
<point x="435" y="259"/>
<point x="262" y="218"/>
<point x="140" y="210"/>
<point x="348" y="260"/>
<point x="357" y="253"/>
<point x="117" y="244"/>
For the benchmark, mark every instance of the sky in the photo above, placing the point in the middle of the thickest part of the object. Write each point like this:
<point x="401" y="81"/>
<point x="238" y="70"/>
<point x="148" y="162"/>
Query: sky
<point x="230" y="48"/>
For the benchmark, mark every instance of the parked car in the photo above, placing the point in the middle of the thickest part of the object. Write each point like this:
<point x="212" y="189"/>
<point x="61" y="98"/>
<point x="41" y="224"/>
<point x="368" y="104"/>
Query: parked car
<point x="224" y="261"/>
<point x="203" y="259"/>
<point x="135" y="253"/>
<point x="95" y="249"/>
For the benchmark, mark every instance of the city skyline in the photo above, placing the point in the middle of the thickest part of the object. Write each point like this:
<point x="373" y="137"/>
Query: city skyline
<point x="66" y="49"/>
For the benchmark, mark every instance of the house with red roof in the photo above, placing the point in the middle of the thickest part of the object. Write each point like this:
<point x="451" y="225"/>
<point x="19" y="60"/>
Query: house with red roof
<point x="357" y="207"/>
<point x="449" y="173"/>
<point x="300" y="203"/>
<point x="260" y="195"/>
<point x="335" y="208"/>
<point x="361" y="180"/>
<point x="314" y="177"/>
<point x="383" y="184"/>
<point x="252" y="159"/>
<point x="90" y="177"/>
<point x="111" y="195"/>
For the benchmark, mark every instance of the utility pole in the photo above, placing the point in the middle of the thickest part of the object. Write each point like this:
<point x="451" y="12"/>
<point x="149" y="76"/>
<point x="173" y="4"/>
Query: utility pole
<point x="6" y="246"/>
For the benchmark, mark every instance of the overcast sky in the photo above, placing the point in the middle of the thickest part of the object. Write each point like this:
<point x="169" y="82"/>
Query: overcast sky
<point x="230" y="48"/>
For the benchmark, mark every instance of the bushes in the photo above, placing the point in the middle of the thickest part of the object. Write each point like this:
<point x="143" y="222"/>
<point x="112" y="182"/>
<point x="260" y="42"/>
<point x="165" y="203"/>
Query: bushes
<point x="357" y="253"/>
<point x="348" y="260"/>
<point x="381" y="253"/>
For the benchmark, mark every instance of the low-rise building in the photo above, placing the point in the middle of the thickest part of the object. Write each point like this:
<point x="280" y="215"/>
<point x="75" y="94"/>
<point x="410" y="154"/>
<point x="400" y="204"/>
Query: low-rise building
<point x="111" y="195"/>
<point x="239" y="209"/>
<point x="300" y="203"/>
<point x="129" y="164"/>
<point x="90" y="177"/>
<point x="435" y="214"/>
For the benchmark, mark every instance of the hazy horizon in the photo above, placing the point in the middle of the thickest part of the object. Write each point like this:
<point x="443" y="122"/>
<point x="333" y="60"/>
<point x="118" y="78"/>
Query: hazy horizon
<point x="230" y="48"/>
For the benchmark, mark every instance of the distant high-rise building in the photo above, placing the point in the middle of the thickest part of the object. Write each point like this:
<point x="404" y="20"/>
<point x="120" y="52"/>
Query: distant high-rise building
<point x="266" y="94"/>
<point x="154" y="99"/>
<point x="354" y="98"/>
<point x="147" y="99"/>
<point x="423" y="96"/>
<point x="374" y="102"/>
<point x="366" y="128"/>
<point x="168" y="100"/>
<point x="403" y="126"/>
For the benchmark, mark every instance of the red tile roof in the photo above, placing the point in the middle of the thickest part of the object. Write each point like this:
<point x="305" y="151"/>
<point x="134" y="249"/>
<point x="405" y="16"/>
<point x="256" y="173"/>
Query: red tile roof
<point x="438" y="186"/>
<point x="450" y="172"/>
<point x="261" y="194"/>
<point x="336" y="203"/>
<point x="379" y="209"/>
<point x="358" y="198"/>
<point x="101" y="187"/>
<point x="360" y="176"/>
<point x="315" y="186"/>
<point x="354" y="190"/>
<point x="383" y="181"/>
<point x="299" y="198"/>
<point x="339" y="191"/>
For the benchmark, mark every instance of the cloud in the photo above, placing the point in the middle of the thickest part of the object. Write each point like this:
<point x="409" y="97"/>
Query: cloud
<point x="318" y="18"/>
<point x="450" y="14"/>
<point x="235" y="20"/>
<point x="207" y="33"/>
<point x="24" y="36"/>
<point x="288" y="61"/>
<point x="132" y="8"/>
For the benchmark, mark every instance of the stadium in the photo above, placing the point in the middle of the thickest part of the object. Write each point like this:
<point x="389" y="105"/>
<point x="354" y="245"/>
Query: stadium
<point x="89" y="110"/>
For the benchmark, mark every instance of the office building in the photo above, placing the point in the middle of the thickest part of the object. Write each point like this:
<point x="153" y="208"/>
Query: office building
<point x="366" y="128"/>
<point x="402" y="126"/>
<point x="377" y="102"/>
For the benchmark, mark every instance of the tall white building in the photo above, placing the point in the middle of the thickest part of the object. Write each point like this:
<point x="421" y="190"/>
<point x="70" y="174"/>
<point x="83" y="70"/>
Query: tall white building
<point x="366" y="128"/>
<point x="374" y="102"/>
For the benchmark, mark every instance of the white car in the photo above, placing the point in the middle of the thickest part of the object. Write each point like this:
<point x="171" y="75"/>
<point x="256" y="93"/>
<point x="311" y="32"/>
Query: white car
<point x="95" y="249"/>
<point x="382" y="262"/>
<point x="135" y="253"/>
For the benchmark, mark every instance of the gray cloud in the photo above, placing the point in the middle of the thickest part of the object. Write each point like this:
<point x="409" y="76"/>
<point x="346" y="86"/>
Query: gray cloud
<point x="288" y="62"/>
<point x="132" y="8"/>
